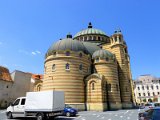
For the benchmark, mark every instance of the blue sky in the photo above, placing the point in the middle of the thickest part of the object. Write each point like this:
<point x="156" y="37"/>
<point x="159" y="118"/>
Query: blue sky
<point x="29" y="27"/>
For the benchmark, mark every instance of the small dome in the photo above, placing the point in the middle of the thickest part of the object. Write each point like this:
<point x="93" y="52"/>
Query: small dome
<point x="118" y="31"/>
<point x="90" y="31"/>
<point x="103" y="54"/>
<point x="66" y="44"/>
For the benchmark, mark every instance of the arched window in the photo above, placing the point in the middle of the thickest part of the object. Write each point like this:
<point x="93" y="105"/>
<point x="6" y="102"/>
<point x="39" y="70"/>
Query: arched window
<point x="85" y="38"/>
<point x="107" y="40"/>
<point x="153" y="94"/>
<point x="102" y="39"/>
<point x="157" y="87"/>
<point x="80" y="55"/>
<point x="152" y="87"/>
<point x="148" y="94"/>
<point x="54" y="53"/>
<point x="107" y="59"/>
<point x="99" y="38"/>
<point x="67" y="53"/>
<point x="53" y="67"/>
<point x="90" y="37"/>
<point x="120" y="39"/>
<point x="81" y="38"/>
<point x="39" y="88"/>
<point x="93" y="86"/>
<point x="80" y="67"/>
<point x="144" y="94"/>
<point x="67" y="66"/>
<point x="115" y="39"/>
<point x="94" y="37"/>
<point x="97" y="59"/>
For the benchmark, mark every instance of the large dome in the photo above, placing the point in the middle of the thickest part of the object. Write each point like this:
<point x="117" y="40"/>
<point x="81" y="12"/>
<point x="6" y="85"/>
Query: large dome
<point x="66" y="44"/>
<point x="90" y="31"/>
<point x="102" y="54"/>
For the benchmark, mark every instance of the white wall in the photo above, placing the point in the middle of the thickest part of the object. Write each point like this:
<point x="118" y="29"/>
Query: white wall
<point x="146" y="81"/>
<point x="21" y="84"/>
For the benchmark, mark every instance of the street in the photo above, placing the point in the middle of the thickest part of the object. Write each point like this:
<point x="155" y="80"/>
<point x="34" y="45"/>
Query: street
<point x="93" y="115"/>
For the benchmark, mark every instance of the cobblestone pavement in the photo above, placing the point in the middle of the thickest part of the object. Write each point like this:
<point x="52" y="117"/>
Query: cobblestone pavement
<point x="92" y="115"/>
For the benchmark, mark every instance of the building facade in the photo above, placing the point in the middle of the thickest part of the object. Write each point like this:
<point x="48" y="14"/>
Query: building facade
<point x="5" y="87"/>
<point x="92" y="68"/>
<point x="146" y="89"/>
<point x="24" y="82"/>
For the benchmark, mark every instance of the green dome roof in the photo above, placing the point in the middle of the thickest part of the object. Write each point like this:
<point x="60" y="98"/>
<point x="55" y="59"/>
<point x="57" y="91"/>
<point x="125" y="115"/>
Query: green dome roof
<point x="90" y="31"/>
<point x="91" y="47"/>
<point x="102" y="54"/>
<point x="65" y="44"/>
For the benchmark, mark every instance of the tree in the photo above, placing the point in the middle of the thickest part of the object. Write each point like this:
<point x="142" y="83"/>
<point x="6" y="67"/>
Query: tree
<point x="149" y="100"/>
<point x="155" y="99"/>
<point x="144" y="100"/>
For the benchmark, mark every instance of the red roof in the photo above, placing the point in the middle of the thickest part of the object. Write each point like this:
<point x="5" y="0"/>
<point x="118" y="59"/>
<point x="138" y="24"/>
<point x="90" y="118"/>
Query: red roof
<point x="37" y="76"/>
<point x="4" y="74"/>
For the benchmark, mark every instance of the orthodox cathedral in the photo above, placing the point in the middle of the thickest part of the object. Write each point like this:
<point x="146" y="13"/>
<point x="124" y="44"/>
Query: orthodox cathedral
<point x="92" y="68"/>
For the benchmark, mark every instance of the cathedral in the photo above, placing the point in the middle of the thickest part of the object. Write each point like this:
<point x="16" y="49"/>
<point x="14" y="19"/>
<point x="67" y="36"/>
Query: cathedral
<point x="93" y="70"/>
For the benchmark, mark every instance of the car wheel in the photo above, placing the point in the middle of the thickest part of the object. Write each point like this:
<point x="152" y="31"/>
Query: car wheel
<point x="9" y="115"/>
<point x="40" y="116"/>
<point x="68" y="114"/>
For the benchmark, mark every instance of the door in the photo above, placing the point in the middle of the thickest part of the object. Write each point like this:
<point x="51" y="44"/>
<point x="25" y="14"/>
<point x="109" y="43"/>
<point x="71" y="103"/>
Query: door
<point x="18" y="108"/>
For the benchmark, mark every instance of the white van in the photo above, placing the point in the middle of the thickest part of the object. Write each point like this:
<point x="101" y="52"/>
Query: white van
<point x="41" y="105"/>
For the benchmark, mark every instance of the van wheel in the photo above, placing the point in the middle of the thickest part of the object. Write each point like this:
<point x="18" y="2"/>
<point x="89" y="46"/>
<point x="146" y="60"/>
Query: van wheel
<point x="40" y="116"/>
<point x="68" y="114"/>
<point x="9" y="115"/>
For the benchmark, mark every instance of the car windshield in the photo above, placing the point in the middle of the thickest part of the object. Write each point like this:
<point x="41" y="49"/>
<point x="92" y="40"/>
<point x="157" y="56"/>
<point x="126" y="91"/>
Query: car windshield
<point x="157" y="104"/>
<point x="67" y="106"/>
<point x="148" y="104"/>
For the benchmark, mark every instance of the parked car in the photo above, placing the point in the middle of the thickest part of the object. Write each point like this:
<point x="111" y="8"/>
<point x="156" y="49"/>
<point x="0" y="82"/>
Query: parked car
<point x="69" y="111"/>
<point x="149" y="106"/>
<point x="151" y="114"/>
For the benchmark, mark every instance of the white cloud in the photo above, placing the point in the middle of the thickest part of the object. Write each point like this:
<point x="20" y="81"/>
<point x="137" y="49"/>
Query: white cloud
<point x="38" y="52"/>
<point x="30" y="53"/>
<point x="33" y="53"/>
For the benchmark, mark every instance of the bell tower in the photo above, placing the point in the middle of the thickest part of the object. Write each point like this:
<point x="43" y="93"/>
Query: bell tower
<point x="119" y="48"/>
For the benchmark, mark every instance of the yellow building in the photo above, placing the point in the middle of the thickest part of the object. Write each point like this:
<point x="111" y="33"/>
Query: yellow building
<point x="92" y="69"/>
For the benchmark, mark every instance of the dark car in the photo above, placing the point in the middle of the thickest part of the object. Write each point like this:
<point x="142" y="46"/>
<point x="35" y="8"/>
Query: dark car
<point x="151" y="114"/>
<point x="69" y="111"/>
